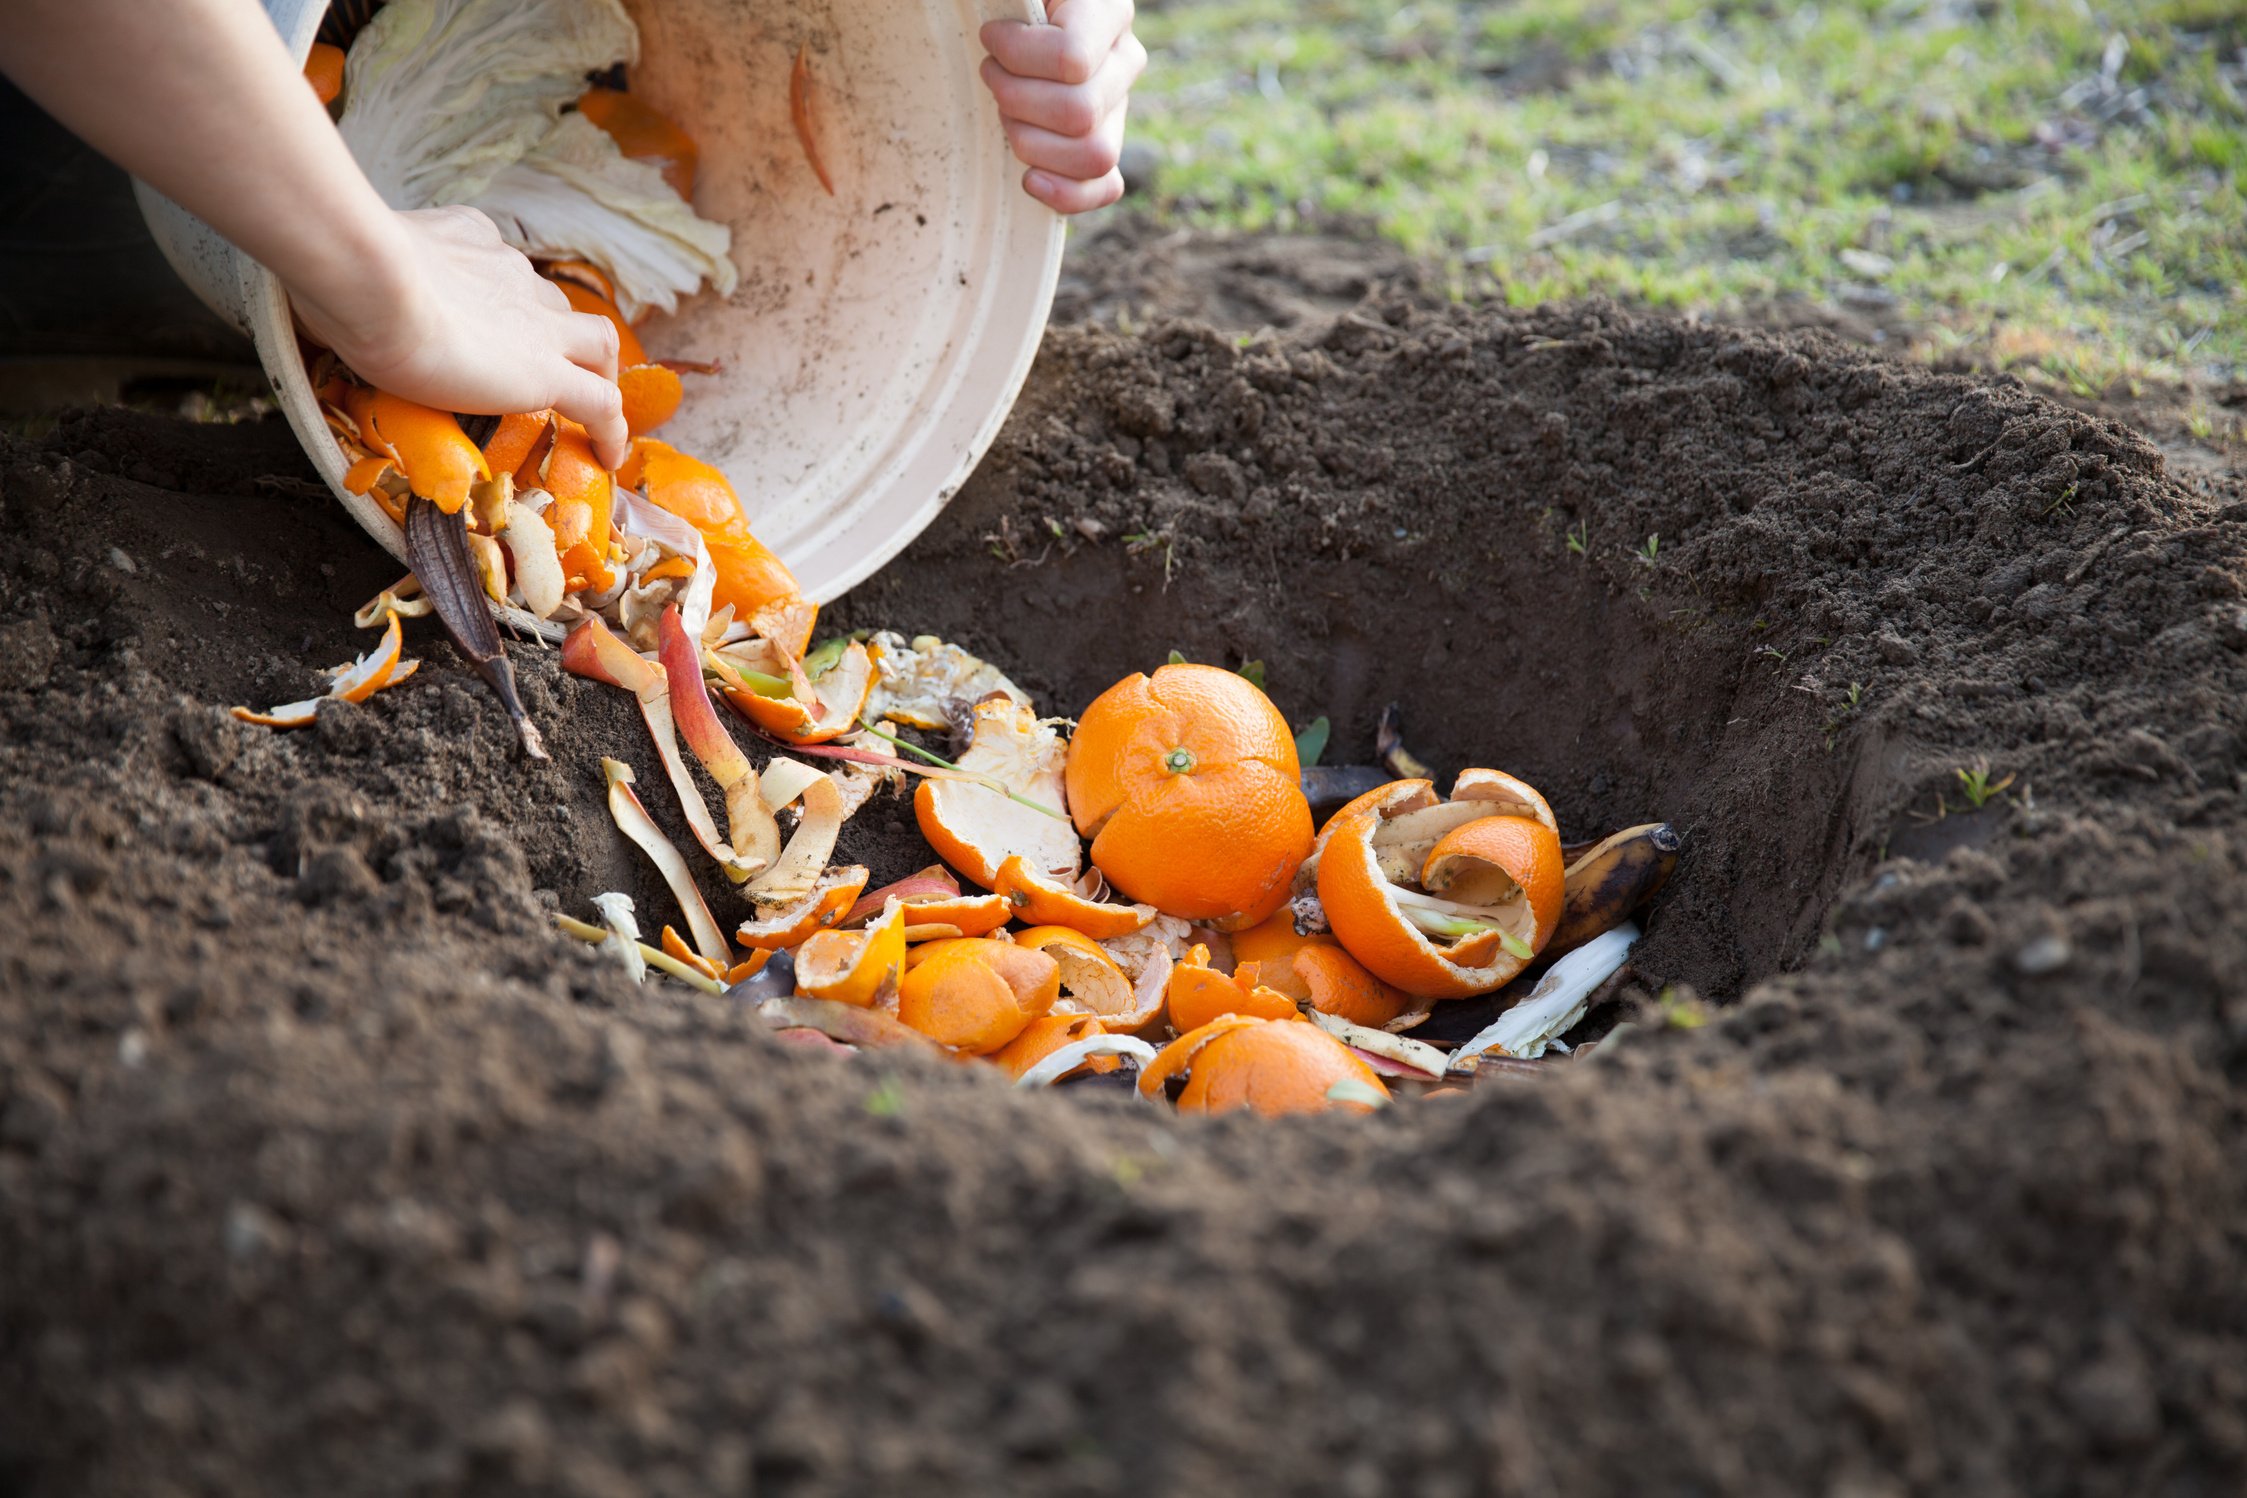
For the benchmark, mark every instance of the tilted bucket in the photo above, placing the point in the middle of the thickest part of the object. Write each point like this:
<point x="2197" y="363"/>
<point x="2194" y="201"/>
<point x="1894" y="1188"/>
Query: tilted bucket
<point x="877" y="337"/>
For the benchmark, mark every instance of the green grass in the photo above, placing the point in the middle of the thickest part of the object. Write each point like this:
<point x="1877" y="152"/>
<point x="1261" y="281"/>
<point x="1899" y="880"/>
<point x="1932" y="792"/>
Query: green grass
<point x="2004" y="181"/>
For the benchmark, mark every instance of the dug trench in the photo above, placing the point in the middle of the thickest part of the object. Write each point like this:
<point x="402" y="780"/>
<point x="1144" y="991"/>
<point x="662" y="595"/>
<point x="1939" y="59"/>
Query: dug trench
<point x="326" y="1167"/>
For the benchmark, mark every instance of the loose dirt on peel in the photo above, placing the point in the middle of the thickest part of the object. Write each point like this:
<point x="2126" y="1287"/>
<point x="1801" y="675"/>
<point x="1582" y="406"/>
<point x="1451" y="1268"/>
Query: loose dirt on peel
<point x="325" y="1168"/>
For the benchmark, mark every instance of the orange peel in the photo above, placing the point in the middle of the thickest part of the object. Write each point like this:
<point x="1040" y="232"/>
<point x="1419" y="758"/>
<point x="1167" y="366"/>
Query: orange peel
<point x="432" y="453"/>
<point x="820" y="907"/>
<point x="976" y="827"/>
<point x="381" y="667"/>
<point x="977" y="994"/>
<point x="323" y="69"/>
<point x="1040" y="900"/>
<point x="643" y="133"/>
<point x="1271" y="1066"/>
<point x="676" y="947"/>
<point x="1443" y="899"/>
<point x="1197" y="993"/>
<point x="516" y="441"/>
<point x="839" y="696"/>
<point x="854" y="967"/>
<point x="1091" y="982"/>
<point x="1334" y="982"/>
<point x="1045" y="1035"/>
<point x="652" y="395"/>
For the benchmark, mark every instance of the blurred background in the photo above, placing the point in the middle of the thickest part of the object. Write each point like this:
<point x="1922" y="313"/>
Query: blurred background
<point x="2051" y="187"/>
<point x="2047" y="187"/>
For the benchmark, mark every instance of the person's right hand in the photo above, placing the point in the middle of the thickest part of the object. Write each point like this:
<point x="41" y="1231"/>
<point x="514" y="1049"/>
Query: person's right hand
<point x="456" y="318"/>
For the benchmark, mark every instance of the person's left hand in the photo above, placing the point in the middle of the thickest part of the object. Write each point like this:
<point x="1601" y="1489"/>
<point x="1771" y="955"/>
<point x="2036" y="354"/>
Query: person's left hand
<point x="1062" y="90"/>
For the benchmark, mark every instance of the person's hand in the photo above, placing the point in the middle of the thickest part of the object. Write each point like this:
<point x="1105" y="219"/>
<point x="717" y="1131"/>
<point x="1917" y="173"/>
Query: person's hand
<point x="456" y="318"/>
<point x="1062" y="90"/>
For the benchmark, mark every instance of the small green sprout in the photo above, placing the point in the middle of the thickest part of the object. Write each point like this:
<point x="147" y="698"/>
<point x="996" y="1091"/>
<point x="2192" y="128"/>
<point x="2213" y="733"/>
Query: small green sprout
<point x="1979" y="788"/>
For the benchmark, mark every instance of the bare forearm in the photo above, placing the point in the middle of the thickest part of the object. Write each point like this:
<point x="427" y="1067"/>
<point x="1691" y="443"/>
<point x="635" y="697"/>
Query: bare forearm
<point x="199" y="99"/>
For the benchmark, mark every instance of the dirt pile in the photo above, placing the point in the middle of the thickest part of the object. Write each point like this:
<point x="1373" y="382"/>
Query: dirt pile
<point x="323" y="1167"/>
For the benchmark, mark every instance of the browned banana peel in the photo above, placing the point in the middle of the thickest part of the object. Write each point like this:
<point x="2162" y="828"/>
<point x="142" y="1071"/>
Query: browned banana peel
<point x="1612" y="880"/>
<point x="437" y="547"/>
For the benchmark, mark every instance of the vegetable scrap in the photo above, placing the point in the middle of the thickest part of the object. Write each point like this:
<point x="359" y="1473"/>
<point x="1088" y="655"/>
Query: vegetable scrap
<point x="1265" y="963"/>
<point x="1171" y="892"/>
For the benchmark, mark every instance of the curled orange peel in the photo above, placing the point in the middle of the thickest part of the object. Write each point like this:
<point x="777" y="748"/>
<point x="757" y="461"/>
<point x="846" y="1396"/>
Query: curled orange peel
<point x="323" y="69"/>
<point x="1091" y="982"/>
<point x="381" y="667"/>
<point x="433" y="454"/>
<point x="836" y="700"/>
<point x="1177" y="1058"/>
<point x="975" y="827"/>
<point x="1047" y="1034"/>
<point x="1273" y="1067"/>
<point x="516" y="441"/>
<point x="820" y="907"/>
<point x="1443" y="899"/>
<point x="854" y="967"/>
<point x="652" y="394"/>
<point x="1197" y="993"/>
<point x="977" y="994"/>
<point x="676" y="946"/>
<point x="1040" y="900"/>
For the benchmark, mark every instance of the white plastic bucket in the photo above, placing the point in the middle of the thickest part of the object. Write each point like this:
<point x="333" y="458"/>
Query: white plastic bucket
<point x="877" y="338"/>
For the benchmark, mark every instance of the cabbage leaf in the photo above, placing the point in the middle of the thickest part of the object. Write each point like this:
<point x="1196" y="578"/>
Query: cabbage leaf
<point x="468" y="101"/>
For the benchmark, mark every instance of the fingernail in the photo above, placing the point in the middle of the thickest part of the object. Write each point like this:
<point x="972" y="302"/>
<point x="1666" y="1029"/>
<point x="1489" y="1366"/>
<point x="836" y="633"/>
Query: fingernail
<point x="1039" y="181"/>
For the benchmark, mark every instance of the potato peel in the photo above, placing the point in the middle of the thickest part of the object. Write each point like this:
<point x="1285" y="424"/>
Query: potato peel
<point x="633" y="821"/>
<point x="593" y="650"/>
<point x="749" y="822"/>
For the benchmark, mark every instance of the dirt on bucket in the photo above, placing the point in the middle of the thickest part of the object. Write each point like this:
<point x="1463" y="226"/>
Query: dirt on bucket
<point x="326" y="1167"/>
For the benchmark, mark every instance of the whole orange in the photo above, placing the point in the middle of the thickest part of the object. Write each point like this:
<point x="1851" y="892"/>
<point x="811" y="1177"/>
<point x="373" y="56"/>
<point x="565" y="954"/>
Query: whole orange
<point x="1187" y="783"/>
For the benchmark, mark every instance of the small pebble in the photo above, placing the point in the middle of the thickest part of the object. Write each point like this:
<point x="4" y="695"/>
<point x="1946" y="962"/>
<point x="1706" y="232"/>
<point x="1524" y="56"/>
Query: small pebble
<point x="1876" y="938"/>
<point x="2043" y="954"/>
<point x="122" y="562"/>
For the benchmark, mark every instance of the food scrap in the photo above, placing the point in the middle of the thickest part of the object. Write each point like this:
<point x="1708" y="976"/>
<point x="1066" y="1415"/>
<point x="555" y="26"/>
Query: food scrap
<point x="1169" y="893"/>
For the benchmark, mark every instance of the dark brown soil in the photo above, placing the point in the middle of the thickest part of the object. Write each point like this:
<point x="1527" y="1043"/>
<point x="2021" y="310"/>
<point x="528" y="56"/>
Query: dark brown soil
<point x="324" y="1168"/>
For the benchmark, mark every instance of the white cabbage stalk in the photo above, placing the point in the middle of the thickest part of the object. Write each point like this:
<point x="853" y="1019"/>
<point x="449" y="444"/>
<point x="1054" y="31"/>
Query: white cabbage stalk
<point x="574" y="195"/>
<point x="461" y="101"/>
<point x="1557" y="1002"/>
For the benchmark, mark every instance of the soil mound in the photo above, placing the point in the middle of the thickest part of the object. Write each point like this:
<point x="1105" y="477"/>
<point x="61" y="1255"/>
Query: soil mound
<point x="324" y="1167"/>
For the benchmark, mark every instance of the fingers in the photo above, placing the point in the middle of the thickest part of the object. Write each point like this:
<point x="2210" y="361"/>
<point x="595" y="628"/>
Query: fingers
<point x="1070" y="50"/>
<point x="1065" y="108"/>
<point x="1067" y="195"/>
<point x="597" y="405"/>
<point x="590" y="342"/>
<point x="1083" y="158"/>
